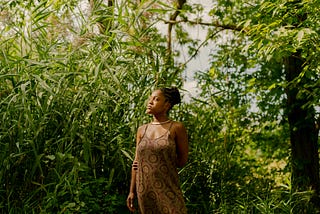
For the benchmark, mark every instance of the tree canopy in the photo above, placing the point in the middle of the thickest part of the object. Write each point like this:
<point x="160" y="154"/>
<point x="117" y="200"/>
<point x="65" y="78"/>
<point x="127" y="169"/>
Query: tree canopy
<point x="74" y="77"/>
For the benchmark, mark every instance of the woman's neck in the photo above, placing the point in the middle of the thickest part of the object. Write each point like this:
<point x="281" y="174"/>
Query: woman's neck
<point x="160" y="119"/>
<point x="160" y="123"/>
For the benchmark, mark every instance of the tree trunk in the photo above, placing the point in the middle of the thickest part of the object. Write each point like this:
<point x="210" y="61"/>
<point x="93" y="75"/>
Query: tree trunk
<point x="303" y="131"/>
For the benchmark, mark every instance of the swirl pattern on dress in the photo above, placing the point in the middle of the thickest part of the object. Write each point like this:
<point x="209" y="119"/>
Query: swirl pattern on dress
<point x="158" y="188"/>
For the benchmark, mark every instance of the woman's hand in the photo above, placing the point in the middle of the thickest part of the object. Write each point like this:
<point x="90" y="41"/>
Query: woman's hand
<point x="130" y="201"/>
<point x="135" y="165"/>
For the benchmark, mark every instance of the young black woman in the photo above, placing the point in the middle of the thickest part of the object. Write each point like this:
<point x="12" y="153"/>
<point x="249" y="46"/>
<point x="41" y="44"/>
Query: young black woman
<point x="161" y="148"/>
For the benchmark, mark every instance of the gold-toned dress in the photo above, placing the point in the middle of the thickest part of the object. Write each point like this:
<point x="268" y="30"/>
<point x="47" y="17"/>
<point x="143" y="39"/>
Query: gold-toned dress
<point x="157" y="182"/>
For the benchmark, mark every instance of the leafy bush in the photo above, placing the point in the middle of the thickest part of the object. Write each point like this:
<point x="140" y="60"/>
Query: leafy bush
<point x="71" y="100"/>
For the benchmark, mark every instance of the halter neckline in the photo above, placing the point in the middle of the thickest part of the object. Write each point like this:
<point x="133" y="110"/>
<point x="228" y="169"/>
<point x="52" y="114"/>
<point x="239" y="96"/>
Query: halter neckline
<point x="160" y="123"/>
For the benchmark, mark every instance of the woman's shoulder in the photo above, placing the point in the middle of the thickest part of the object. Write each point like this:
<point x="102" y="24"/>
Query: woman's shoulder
<point x="142" y="127"/>
<point x="177" y="124"/>
<point x="140" y="131"/>
<point x="177" y="129"/>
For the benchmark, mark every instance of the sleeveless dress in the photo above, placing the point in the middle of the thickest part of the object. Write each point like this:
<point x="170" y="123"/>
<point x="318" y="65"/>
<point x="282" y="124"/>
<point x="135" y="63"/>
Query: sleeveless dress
<point x="158" y="188"/>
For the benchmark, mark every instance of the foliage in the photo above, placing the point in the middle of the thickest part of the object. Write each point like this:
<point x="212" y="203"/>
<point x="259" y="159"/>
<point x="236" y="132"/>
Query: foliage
<point x="233" y="159"/>
<point x="70" y="105"/>
<point x="73" y="90"/>
<point x="248" y="68"/>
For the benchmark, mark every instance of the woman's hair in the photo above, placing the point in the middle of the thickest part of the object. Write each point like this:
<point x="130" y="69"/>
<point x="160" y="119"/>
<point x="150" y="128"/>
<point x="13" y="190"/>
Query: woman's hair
<point x="172" y="95"/>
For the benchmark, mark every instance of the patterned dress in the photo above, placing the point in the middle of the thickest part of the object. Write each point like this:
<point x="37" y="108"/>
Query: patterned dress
<point x="157" y="182"/>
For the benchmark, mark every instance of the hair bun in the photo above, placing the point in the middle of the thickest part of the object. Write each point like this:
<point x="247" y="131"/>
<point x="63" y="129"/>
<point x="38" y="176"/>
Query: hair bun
<point x="172" y="95"/>
<point x="176" y="99"/>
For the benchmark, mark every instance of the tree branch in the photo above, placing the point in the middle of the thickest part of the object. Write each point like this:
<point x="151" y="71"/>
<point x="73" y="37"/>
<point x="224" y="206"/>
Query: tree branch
<point x="221" y="27"/>
<point x="172" y="21"/>
<point x="213" y="24"/>
<point x="200" y="46"/>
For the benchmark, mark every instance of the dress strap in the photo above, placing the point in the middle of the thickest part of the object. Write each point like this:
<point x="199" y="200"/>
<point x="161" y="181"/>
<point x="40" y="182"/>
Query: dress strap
<point x="145" y="130"/>
<point x="170" y="125"/>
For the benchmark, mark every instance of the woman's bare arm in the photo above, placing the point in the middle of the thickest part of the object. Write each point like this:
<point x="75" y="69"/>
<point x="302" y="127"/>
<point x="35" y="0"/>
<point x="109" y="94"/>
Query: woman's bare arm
<point x="181" y="139"/>
<point x="134" y="168"/>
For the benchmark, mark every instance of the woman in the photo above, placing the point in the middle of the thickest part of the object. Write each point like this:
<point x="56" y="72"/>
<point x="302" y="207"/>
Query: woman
<point x="161" y="147"/>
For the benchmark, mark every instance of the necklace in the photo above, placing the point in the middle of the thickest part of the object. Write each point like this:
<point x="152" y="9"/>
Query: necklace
<point x="160" y="123"/>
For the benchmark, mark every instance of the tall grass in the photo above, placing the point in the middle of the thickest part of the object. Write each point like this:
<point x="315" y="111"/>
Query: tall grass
<point x="69" y="111"/>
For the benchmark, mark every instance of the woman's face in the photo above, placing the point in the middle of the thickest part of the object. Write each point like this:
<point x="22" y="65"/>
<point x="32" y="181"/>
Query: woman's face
<point x="157" y="103"/>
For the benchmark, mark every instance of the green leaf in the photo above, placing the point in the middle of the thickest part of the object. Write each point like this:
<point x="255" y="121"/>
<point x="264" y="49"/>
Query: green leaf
<point x="300" y="35"/>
